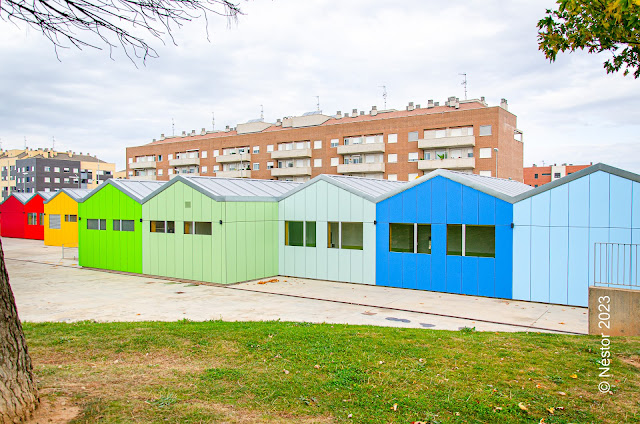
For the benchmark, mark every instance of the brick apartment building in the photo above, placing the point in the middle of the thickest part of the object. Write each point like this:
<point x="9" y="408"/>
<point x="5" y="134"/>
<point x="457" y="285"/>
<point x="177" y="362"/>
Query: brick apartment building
<point x="538" y="175"/>
<point x="466" y="136"/>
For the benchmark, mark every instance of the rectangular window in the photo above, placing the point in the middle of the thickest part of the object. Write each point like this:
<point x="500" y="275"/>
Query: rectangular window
<point x="412" y="177"/>
<point x="485" y="129"/>
<point x="54" y="222"/>
<point x="66" y="169"/>
<point x="392" y="158"/>
<point x="335" y="142"/>
<point x="160" y="157"/>
<point x="256" y="149"/>
<point x="317" y="144"/>
<point x="123" y="225"/>
<point x="424" y="238"/>
<point x="56" y="180"/>
<point x="269" y="165"/>
<point x="392" y="138"/>
<point x="47" y="169"/>
<point x="47" y="179"/>
<point x="351" y="236"/>
<point x="317" y="163"/>
<point x="401" y="238"/>
<point x="162" y="227"/>
<point x="71" y="218"/>
<point x="256" y="166"/>
<point x="32" y="219"/>
<point x="96" y="224"/>
<point x="294" y="233"/>
<point x="454" y="239"/>
<point x="269" y="148"/>
<point x="203" y="169"/>
<point x="392" y="177"/>
<point x="333" y="235"/>
<point x="413" y="157"/>
<point x="535" y="176"/>
<point x="480" y="240"/>
<point x="413" y="136"/>
<point x="310" y="234"/>
<point x="556" y="175"/>
<point x="485" y="152"/>
<point x="335" y="161"/>
<point x="200" y="228"/>
<point x="56" y="169"/>
<point x="204" y="154"/>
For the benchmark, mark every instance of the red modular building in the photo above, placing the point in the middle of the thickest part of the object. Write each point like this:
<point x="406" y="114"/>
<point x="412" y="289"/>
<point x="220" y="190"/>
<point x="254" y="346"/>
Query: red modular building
<point x="538" y="175"/>
<point x="22" y="216"/>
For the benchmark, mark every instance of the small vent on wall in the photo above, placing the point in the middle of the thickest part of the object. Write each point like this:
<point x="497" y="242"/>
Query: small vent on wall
<point x="187" y="205"/>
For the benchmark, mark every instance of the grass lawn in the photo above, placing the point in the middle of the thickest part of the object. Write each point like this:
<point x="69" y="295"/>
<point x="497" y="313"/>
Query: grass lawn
<point x="277" y="372"/>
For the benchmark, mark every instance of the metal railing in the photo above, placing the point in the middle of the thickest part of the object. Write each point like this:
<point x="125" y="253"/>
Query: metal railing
<point x="616" y="264"/>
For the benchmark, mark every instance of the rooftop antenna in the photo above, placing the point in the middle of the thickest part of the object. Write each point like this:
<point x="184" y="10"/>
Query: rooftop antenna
<point x="213" y="121"/>
<point x="261" y="113"/>
<point x="384" y="95"/>
<point x="318" y="103"/>
<point x="464" y="84"/>
<point x="25" y="142"/>
<point x="53" y="143"/>
<point x="173" y="127"/>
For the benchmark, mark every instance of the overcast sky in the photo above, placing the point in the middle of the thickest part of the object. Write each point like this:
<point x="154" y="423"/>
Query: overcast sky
<point x="283" y="53"/>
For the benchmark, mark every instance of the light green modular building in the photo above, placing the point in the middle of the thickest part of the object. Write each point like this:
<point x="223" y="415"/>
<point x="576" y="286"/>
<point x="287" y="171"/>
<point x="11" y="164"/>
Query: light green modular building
<point x="327" y="228"/>
<point x="219" y="230"/>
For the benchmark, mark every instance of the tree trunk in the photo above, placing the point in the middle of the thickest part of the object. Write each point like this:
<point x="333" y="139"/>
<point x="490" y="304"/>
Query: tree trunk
<point x="18" y="394"/>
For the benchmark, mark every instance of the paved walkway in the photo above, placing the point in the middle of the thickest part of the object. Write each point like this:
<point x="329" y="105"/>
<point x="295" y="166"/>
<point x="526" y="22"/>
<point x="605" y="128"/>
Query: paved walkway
<point x="49" y="288"/>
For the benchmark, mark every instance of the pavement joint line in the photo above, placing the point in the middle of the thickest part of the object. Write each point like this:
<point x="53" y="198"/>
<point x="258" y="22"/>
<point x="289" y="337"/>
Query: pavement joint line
<point x="344" y="302"/>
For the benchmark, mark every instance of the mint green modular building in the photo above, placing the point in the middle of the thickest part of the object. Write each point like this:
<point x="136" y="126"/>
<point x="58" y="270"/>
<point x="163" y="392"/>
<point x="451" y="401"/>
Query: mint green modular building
<point x="218" y="230"/>
<point x="110" y="227"/>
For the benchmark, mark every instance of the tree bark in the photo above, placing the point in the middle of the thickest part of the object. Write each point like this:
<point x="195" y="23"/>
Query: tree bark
<point x="18" y="392"/>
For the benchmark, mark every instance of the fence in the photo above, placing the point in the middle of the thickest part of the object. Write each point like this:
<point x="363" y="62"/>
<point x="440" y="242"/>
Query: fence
<point x="616" y="264"/>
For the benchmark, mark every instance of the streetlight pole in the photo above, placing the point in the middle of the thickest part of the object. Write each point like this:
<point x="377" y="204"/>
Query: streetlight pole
<point x="495" y="149"/>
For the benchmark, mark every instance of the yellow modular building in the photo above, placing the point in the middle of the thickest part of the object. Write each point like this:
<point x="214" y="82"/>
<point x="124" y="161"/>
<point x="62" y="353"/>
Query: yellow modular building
<point x="61" y="217"/>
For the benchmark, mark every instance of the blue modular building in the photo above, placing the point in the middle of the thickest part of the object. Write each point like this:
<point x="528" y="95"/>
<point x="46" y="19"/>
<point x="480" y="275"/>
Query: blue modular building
<point x="449" y="232"/>
<point x="581" y="230"/>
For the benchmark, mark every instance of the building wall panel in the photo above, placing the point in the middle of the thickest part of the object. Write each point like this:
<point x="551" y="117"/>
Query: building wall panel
<point x="521" y="260"/>
<point x="539" y="263"/>
<point x="620" y="204"/>
<point x="558" y="264"/>
<point x="599" y="199"/>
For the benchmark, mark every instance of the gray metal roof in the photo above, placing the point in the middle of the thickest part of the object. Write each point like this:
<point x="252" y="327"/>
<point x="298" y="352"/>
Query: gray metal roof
<point x="368" y="188"/>
<point x="136" y="189"/>
<point x="23" y="197"/>
<point x="47" y="195"/>
<point x="232" y="189"/>
<point x="497" y="187"/>
<point x="77" y="194"/>
<point x="579" y="174"/>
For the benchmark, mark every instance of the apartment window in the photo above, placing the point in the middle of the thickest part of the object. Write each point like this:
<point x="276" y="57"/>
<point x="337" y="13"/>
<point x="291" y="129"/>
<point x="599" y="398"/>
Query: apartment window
<point x="47" y="169"/>
<point x="269" y="165"/>
<point x="317" y="163"/>
<point x="412" y="177"/>
<point x="413" y="136"/>
<point x="269" y="148"/>
<point x="256" y="149"/>
<point x="392" y="177"/>
<point x="455" y="154"/>
<point x="413" y="157"/>
<point x="256" y="166"/>
<point x="485" y="129"/>
<point x="317" y="144"/>
<point x="484" y="173"/>
<point x="48" y="179"/>
<point x="310" y="233"/>
<point x="335" y="142"/>
<point x="160" y="156"/>
<point x="471" y="240"/>
<point x="351" y="235"/>
<point x="536" y="185"/>
<point x="66" y="169"/>
<point x="535" y="176"/>
<point x="392" y="138"/>
<point x="198" y="228"/>
<point x="123" y="225"/>
<point x="544" y="174"/>
<point x="47" y="190"/>
<point x="170" y="171"/>
<point x="294" y="233"/>
<point x="556" y="175"/>
<point x="216" y="153"/>
<point x="171" y="156"/>
<point x="216" y="168"/>
<point x="130" y="160"/>
<point x="75" y="170"/>
<point x="335" y="161"/>
<point x="131" y="173"/>
<point x="392" y="158"/>
<point x="71" y="218"/>
<point x="203" y="169"/>
<point x="56" y="169"/>
<point x="56" y="180"/>
<point x="352" y="141"/>
<point x="96" y="224"/>
<point x="54" y="222"/>
<point x="162" y="227"/>
<point x="66" y="180"/>
<point x="485" y="152"/>
<point x="160" y="171"/>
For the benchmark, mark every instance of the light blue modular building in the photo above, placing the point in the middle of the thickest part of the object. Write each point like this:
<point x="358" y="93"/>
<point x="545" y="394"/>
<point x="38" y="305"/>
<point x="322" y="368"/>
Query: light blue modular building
<point x="575" y="232"/>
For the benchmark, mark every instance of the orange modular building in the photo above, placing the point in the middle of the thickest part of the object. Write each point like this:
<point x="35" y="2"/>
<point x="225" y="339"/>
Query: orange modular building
<point x="61" y="217"/>
<point x="536" y="176"/>
<point x="462" y="135"/>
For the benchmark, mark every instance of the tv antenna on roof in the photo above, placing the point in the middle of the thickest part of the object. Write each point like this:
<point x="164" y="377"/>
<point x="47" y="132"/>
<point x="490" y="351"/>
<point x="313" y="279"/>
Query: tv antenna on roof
<point x="261" y="113"/>
<point x="318" y="103"/>
<point x="384" y="95"/>
<point x="25" y="142"/>
<point x="464" y="84"/>
<point x="53" y="143"/>
<point x="213" y="121"/>
<point x="173" y="127"/>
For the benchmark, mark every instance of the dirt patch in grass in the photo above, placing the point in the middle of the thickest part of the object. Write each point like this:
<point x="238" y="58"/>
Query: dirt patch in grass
<point x="54" y="410"/>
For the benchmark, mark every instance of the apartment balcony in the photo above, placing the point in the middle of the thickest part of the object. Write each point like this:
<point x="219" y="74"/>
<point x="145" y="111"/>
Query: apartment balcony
<point x="437" y="143"/>
<point x="361" y="148"/>
<point x="236" y="157"/>
<point x="291" y="172"/>
<point x="143" y="165"/>
<point x="459" y="163"/>
<point x="291" y="154"/>
<point x="143" y="177"/>
<point x="244" y="173"/>
<point x="185" y="162"/>
<point x="361" y="168"/>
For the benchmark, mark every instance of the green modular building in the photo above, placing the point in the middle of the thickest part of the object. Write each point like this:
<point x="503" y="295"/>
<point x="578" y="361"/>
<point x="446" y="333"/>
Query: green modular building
<point x="219" y="230"/>
<point x="110" y="226"/>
